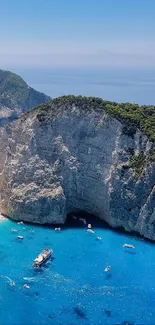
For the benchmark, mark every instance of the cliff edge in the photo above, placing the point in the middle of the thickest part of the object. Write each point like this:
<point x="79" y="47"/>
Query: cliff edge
<point x="79" y="153"/>
<point x="16" y="97"/>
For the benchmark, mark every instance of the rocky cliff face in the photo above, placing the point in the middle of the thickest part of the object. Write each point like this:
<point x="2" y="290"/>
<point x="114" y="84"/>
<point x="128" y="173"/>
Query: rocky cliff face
<point x="63" y="157"/>
<point x="16" y="97"/>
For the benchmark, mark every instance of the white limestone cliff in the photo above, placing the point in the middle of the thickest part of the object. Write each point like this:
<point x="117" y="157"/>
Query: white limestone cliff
<point x="64" y="158"/>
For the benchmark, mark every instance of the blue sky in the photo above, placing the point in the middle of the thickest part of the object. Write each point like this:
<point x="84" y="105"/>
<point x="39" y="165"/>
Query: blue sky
<point x="77" y="33"/>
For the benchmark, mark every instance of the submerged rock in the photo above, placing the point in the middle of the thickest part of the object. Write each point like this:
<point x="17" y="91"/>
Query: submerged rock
<point x="69" y="155"/>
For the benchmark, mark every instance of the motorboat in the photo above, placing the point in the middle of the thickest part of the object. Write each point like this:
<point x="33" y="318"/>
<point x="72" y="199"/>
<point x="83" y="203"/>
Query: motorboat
<point x="13" y="230"/>
<point x="128" y="246"/>
<point x="91" y="231"/>
<point x="20" y="237"/>
<point x="108" y="268"/>
<point x="42" y="257"/>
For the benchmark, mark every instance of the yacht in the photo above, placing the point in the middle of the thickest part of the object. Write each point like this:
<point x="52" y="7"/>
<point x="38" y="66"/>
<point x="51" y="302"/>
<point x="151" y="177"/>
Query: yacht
<point x="42" y="257"/>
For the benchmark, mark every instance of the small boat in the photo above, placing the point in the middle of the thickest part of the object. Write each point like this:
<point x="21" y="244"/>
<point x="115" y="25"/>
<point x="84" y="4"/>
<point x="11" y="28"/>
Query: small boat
<point x="29" y="279"/>
<point x="99" y="238"/>
<point x="20" y="223"/>
<point x="31" y="230"/>
<point x="128" y="246"/>
<point x="108" y="268"/>
<point x="42" y="257"/>
<point x="26" y="286"/>
<point x="20" y="237"/>
<point x="89" y="225"/>
<point x="13" y="230"/>
<point x="91" y="231"/>
<point x="12" y="283"/>
<point x="57" y="229"/>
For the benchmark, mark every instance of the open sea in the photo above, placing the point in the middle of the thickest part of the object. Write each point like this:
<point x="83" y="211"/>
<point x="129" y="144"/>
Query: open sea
<point x="73" y="288"/>
<point x="117" y="84"/>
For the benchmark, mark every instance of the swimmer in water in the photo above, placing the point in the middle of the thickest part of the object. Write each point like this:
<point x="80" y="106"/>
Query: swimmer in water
<point x="26" y="286"/>
<point x="11" y="282"/>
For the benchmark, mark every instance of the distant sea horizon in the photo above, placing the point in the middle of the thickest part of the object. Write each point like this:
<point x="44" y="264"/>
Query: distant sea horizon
<point x="120" y="85"/>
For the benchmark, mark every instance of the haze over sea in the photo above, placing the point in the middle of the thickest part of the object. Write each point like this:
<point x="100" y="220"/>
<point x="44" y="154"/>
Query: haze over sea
<point x="120" y="85"/>
<point x="72" y="288"/>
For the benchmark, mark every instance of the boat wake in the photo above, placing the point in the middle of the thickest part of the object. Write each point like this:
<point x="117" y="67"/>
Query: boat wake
<point x="11" y="282"/>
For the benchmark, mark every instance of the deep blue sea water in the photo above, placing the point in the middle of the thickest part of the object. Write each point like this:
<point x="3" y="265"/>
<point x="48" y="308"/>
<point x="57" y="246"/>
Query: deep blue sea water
<point x="73" y="288"/>
<point x="117" y="84"/>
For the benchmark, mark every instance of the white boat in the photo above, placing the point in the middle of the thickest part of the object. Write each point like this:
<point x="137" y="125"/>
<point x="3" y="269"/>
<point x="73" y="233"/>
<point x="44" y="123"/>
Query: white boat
<point x="57" y="229"/>
<point x="108" y="268"/>
<point x="20" y="237"/>
<point x="13" y="230"/>
<point x="99" y="238"/>
<point x="42" y="257"/>
<point x="91" y="231"/>
<point x="20" y="222"/>
<point x="128" y="246"/>
<point x="89" y="225"/>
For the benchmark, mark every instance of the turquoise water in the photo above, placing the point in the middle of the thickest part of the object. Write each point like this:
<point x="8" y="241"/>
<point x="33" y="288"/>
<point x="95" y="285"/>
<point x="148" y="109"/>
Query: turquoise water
<point x="73" y="288"/>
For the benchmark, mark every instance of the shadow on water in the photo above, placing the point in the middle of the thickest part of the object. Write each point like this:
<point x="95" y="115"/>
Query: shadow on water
<point x="127" y="323"/>
<point x="30" y="237"/>
<point x="108" y="312"/>
<point x="79" y="313"/>
<point x="94" y="220"/>
<point x="45" y="266"/>
<point x="51" y="316"/>
<point x="76" y="220"/>
<point x="108" y="276"/>
<point x="71" y="222"/>
<point x="46" y="243"/>
<point x="38" y="270"/>
<point x="130" y="252"/>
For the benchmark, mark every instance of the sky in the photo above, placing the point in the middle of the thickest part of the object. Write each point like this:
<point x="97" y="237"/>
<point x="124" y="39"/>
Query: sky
<point x="77" y="33"/>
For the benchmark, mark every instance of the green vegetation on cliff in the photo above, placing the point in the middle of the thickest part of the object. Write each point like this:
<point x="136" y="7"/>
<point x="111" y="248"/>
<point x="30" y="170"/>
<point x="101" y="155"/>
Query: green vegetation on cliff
<point x="12" y="85"/>
<point x="132" y="116"/>
<point x="17" y="96"/>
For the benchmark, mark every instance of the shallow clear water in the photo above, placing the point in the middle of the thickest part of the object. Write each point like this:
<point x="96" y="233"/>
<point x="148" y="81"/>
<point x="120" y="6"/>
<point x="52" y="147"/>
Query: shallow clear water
<point x="73" y="288"/>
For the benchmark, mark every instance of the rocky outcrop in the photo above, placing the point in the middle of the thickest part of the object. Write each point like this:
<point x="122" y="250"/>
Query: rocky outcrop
<point x="16" y="97"/>
<point x="63" y="157"/>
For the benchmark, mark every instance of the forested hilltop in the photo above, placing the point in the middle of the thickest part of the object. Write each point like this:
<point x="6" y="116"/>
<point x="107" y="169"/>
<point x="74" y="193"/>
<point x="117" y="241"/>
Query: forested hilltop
<point x="16" y="97"/>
